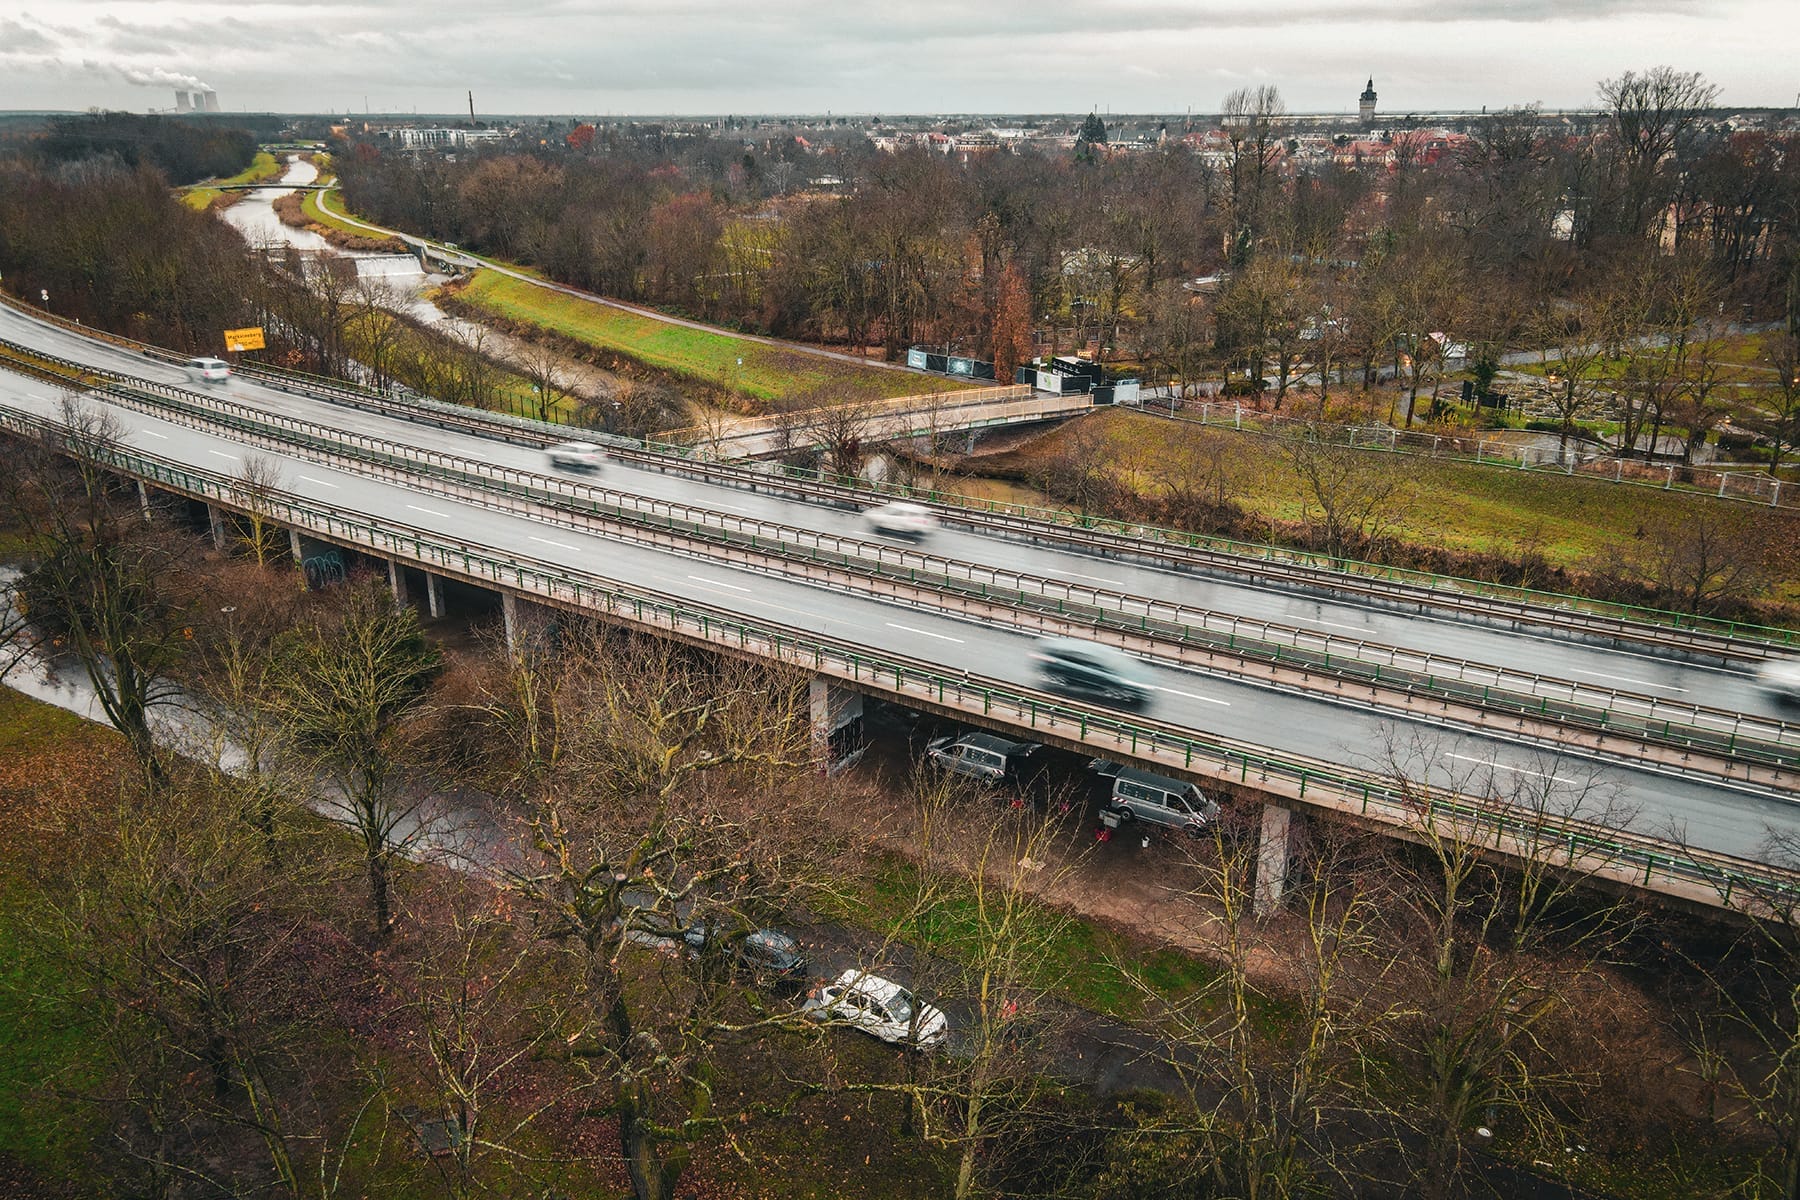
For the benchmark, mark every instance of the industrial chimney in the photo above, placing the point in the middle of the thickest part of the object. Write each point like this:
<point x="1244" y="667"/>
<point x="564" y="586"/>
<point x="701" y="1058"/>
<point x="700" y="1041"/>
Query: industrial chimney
<point x="182" y="103"/>
<point x="212" y="101"/>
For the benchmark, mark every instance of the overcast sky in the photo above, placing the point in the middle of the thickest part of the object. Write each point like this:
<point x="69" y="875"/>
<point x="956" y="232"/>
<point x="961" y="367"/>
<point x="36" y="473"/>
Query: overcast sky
<point x="859" y="56"/>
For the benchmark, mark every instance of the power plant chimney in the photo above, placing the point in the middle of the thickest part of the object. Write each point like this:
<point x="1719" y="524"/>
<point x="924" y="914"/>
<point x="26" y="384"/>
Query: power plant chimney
<point x="182" y="103"/>
<point x="471" y="108"/>
<point x="212" y="101"/>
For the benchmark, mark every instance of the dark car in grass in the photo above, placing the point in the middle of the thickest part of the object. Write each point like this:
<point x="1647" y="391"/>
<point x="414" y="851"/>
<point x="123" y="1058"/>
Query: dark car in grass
<point x="767" y="955"/>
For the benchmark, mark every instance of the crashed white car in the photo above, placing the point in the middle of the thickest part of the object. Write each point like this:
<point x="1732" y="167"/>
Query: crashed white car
<point x="878" y="1007"/>
<point x="901" y="519"/>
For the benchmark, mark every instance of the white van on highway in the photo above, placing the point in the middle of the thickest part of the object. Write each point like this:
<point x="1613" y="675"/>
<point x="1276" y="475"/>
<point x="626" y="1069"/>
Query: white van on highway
<point x="207" y="370"/>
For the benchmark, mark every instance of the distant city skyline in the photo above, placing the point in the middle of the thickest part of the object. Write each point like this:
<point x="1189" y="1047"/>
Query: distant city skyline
<point x="712" y="56"/>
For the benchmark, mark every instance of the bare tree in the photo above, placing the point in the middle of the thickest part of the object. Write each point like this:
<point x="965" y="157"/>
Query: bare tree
<point x="1351" y="496"/>
<point x="843" y="432"/>
<point x="1258" y="1104"/>
<point x="1649" y="114"/>
<point x="484" y="1006"/>
<point x="1707" y="558"/>
<point x="253" y="491"/>
<point x="632" y="845"/>
<point x="1782" y="401"/>
<point x="349" y="681"/>
<point x="103" y="586"/>
<point x="1495" y="953"/>
<point x="1252" y="119"/>
<point x="543" y="365"/>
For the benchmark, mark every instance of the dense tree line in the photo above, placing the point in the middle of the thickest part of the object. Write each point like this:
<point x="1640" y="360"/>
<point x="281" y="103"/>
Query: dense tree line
<point x="184" y="151"/>
<point x="1524" y="233"/>
<point x="114" y="249"/>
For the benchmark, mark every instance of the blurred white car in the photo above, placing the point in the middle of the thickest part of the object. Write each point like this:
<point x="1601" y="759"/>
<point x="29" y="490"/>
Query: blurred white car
<point x="901" y="519"/>
<point x="575" y="456"/>
<point x="878" y="1007"/>
<point x="207" y="370"/>
<point x="1781" y="678"/>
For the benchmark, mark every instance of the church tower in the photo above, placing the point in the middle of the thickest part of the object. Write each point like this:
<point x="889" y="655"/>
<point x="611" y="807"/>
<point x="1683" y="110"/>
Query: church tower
<point x="1365" y="105"/>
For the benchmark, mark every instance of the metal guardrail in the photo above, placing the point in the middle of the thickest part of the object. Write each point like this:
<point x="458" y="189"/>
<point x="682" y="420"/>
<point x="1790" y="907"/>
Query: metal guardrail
<point x="1519" y="606"/>
<point x="1161" y="629"/>
<point x="1568" y="842"/>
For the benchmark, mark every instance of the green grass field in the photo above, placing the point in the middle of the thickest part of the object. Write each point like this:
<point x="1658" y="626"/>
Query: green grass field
<point x="327" y="209"/>
<point x="263" y="166"/>
<point x="767" y="373"/>
<point x="45" y="1042"/>
<point x="1459" y="506"/>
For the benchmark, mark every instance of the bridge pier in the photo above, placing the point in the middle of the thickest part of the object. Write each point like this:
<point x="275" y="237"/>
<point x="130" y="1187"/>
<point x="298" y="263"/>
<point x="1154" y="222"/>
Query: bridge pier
<point x="509" y="618"/>
<point x="299" y="555"/>
<point x="1272" y="859"/>
<point x="837" y="724"/>
<point x="215" y="520"/>
<point x="397" y="582"/>
<point x="434" y="596"/>
<point x="144" y="499"/>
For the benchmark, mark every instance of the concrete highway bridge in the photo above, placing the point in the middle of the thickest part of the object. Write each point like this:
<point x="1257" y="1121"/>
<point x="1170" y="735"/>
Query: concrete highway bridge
<point x="1632" y="749"/>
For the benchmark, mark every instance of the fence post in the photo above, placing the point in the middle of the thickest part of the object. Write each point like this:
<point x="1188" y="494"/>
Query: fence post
<point x="1670" y="481"/>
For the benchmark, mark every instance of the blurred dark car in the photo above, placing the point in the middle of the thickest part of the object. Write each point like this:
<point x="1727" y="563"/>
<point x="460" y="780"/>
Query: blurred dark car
<point x="1090" y="671"/>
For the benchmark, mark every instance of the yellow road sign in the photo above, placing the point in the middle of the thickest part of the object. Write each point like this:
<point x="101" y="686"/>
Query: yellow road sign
<point x="244" y="339"/>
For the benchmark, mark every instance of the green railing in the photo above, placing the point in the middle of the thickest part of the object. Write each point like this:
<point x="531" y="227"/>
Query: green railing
<point x="1701" y="875"/>
<point x="282" y="431"/>
<point x="1442" y="588"/>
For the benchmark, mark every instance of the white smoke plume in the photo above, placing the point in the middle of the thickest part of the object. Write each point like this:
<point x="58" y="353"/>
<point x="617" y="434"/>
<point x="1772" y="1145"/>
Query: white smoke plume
<point x="157" y="77"/>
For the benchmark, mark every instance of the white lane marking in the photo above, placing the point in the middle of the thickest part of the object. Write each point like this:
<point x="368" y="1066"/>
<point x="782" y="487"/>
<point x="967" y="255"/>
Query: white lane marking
<point x="1156" y="687"/>
<point x="1333" y="624"/>
<point x="428" y="512"/>
<point x="548" y="542"/>
<point x="472" y="454"/>
<point x="222" y="454"/>
<point x="1079" y="575"/>
<point x="154" y="434"/>
<point x="942" y="637"/>
<point x="1625" y="679"/>
<point x="1494" y="766"/>
<point x="810" y="616"/>
<point x="718" y="583"/>
<point x="320" y="482"/>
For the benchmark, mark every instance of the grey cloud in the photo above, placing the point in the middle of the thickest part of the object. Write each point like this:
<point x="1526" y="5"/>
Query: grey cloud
<point x="17" y="38"/>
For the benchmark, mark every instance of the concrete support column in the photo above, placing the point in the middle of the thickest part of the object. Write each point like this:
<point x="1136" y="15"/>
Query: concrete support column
<point x="299" y="554"/>
<point x="509" y="615"/>
<point x="837" y="724"/>
<point x="1272" y="858"/>
<point x="215" y="517"/>
<point x="144" y="499"/>
<point x="434" y="595"/>
<point x="397" y="582"/>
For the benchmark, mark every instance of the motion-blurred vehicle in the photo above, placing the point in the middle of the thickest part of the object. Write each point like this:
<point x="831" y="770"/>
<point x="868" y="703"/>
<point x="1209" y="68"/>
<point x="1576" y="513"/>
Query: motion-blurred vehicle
<point x="1090" y="671"/>
<point x="575" y="456"/>
<point x="983" y="757"/>
<point x="1780" y="677"/>
<point x="879" y="1007"/>
<point x="207" y="370"/>
<point x="899" y="518"/>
